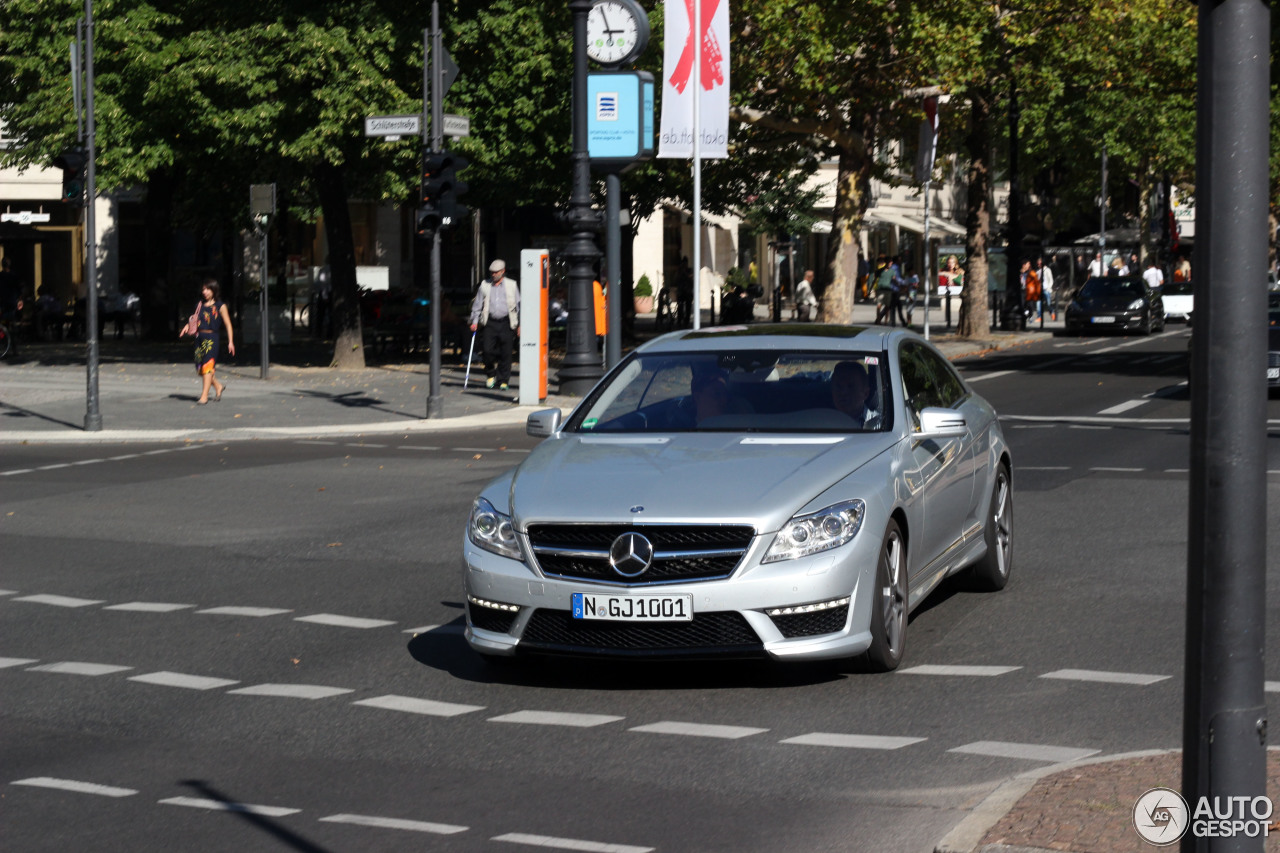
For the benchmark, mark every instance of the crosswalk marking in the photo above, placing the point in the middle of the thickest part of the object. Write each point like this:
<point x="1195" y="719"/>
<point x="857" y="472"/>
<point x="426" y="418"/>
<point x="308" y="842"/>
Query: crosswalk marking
<point x="178" y="679"/>
<point x="671" y="727"/>
<point x="853" y="741"/>
<point x="149" y="606"/>
<point x="556" y="718"/>
<point x="244" y="611"/>
<point x="75" y="786"/>
<point x="70" y="667"/>
<point x="223" y="806"/>
<point x="940" y="669"/>
<point x="1026" y="751"/>
<point x="428" y="707"/>
<point x="568" y="843"/>
<point x="1120" y="408"/>
<point x="395" y="823"/>
<point x="344" y="621"/>
<point x="58" y="600"/>
<point x="1105" y="677"/>
<point x="292" y="691"/>
<point x="5" y="663"/>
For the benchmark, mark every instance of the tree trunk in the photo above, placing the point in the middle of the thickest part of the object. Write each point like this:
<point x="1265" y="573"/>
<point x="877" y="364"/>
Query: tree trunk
<point x="348" y="348"/>
<point x="1146" y="190"/>
<point x="974" y="320"/>
<point x="852" y="181"/>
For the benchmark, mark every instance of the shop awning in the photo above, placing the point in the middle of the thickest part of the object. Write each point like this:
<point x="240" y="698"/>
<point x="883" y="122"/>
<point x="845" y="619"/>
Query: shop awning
<point x="914" y="222"/>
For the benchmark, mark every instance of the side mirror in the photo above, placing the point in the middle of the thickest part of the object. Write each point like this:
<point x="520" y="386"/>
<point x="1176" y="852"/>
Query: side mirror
<point x="936" y="422"/>
<point x="543" y="423"/>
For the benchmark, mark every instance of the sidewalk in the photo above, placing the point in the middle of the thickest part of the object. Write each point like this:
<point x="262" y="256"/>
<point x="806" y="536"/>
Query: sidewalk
<point x="147" y="391"/>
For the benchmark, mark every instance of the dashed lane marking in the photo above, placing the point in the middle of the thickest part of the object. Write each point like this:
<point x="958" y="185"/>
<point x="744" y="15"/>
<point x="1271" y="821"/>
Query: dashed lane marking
<point x="244" y="611"/>
<point x="59" y="600"/>
<point x="1112" y="470"/>
<point x="939" y="669"/>
<point x="427" y="707"/>
<point x="1105" y="677"/>
<point x="1026" y="751"/>
<point x="671" y="727"/>
<point x="1121" y="408"/>
<point x="416" y="447"/>
<point x="853" y="741"/>
<point x="395" y="823"/>
<point x="556" y="718"/>
<point x="5" y="663"/>
<point x="8" y="592"/>
<point x="75" y="786"/>
<point x="223" y="806"/>
<point x="56" y="466"/>
<point x="292" y="691"/>
<point x="178" y="679"/>
<point x="984" y="376"/>
<point x="72" y="667"/>
<point x="1043" y="468"/>
<point x="568" y="843"/>
<point x="344" y="621"/>
<point x="150" y="606"/>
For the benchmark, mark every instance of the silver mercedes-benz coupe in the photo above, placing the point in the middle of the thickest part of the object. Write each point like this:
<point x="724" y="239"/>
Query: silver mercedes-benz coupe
<point x="784" y="491"/>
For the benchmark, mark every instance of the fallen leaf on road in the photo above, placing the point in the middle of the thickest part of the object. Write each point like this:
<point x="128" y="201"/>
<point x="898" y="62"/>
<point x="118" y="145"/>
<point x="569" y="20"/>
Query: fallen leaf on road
<point x="478" y="456"/>
<point x="334" y="545"/>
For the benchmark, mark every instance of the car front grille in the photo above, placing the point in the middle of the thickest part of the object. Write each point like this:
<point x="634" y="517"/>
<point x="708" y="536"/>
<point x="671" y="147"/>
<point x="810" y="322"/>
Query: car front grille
<point x="489" y="619"/>
<point x="708" y="634"/>
<point x="682" y="552"/>
<point x="811" y="624"/>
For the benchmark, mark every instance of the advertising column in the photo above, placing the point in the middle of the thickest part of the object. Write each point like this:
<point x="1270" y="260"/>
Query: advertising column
<point x="535" y="275"/>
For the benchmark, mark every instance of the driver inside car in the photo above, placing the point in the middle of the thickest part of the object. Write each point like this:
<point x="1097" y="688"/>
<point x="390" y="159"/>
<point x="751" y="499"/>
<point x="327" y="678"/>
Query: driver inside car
<point x="851" y="393"/>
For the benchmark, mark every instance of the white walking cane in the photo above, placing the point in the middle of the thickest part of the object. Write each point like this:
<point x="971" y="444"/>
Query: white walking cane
<point x="470" y="352"/>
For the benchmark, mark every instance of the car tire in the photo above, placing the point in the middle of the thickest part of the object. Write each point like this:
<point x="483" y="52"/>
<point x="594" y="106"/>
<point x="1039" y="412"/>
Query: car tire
<point x="991" y="573"/>
<point x="889" y="609"/>
<point x="1147" y="323"/>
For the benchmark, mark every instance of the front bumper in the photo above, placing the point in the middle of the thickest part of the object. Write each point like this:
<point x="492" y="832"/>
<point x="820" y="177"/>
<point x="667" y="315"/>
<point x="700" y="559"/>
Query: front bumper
<point x="511" y="609"/>
<point x="1120" y="321"/>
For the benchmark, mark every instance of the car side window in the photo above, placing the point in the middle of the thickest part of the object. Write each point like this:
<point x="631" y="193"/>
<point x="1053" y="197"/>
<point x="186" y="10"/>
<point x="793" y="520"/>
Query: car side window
<point x="950" y="389"/>
<point x="919" y="386"/>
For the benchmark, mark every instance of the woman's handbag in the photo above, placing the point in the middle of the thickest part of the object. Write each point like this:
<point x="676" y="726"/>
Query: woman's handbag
<point x="193" y="323"/>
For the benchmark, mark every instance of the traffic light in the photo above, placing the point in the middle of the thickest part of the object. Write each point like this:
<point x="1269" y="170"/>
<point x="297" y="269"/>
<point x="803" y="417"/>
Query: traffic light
<point x="72" y="162"/>
<point x="440" y="191"/>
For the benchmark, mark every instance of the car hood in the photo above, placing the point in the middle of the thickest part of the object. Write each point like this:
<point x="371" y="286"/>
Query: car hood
<point x="762" y="480"/>
<point x="1106" y="303"/>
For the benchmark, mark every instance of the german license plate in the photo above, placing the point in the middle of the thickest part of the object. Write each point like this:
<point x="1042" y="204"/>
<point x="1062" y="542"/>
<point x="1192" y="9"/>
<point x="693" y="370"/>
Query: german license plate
<point x="633" y="608"/>
<point x="1102" y="319"/>
<point x="1273" y="372"/>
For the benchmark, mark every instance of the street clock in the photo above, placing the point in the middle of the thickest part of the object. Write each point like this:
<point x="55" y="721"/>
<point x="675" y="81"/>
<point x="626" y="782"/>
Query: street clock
<point x="617" y="32"/>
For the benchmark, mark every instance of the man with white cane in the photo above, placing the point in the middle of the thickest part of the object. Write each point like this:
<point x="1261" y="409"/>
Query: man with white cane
<point x="497" y="308"/>
<point x="471" y="351"/>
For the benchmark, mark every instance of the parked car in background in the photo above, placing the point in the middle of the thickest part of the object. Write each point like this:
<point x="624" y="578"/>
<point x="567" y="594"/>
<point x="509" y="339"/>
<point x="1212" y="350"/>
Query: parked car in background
<point x="787" y="491"/>
<point x="1177" y="299"/>
<point x="1116" y="303"/>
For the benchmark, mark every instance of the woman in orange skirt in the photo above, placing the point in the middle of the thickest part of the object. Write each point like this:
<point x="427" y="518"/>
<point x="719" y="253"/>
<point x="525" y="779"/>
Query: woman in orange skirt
<point x="210" y="314"/>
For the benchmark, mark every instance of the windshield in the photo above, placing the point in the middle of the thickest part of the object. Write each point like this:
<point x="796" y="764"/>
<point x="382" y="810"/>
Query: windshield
<point x="1128" y="287"/>
<point x="740" y="391"/>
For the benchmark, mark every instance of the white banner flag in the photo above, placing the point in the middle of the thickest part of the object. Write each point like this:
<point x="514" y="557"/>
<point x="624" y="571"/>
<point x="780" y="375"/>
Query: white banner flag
<point x="678" y="80"/>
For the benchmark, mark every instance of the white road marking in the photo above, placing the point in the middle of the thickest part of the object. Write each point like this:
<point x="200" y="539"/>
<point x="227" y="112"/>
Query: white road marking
<point x="940" y="669"/>
<point x="853" y="741"/>
<point x="178" y="679"/>
<point x="516" y="450"/>
<point x="421" y="629"/>
<point x="568" y="843"/>
<point x="1035" y="426"/>
<point x="672" y="727"/>
<point x="88" y="461"/>
<point x="437" y="629"/>
<point x="1043" y="468"/>
<point x="59" y="600"/>
<point x="71" y="667"/>
<point x="5" y="663"/>
<point x="244" y="611"/>
<point x="1027" y="751"/>
<point x="429" y="707"/>
<point x="8" y="592"/>
<point x="993" y="375"/>
<point x="1087" y="426"/>
<point x="150" y="606"/>
<point x="326" y="443"/>
<point x="54" y="467"/>
<point x="1271" y="686"/>
<point x="1123" y="407"/>
<point x="1105" y="677"/>
<point x="476" y="449"/>
<point x="220" y="806"/>
<point x="160" y="451"/>
<point x="1106" y="470"/>
<point x="1177" y="470"/>
<point x="344" y="621"/>
<point x="362" y="444"/>
<point x="16" y="471"/>
<point x="125" y="456"/>
<point x="292" y="691"/>
<point x="75" y="786"/>
<point x="416" y="447"/>
<point x="395" y="823"/>
<point x="556" y="718"/>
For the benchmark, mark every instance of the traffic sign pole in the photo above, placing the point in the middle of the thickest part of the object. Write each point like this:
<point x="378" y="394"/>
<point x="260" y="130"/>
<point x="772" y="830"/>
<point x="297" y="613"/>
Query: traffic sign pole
<point x="435" y="400"/>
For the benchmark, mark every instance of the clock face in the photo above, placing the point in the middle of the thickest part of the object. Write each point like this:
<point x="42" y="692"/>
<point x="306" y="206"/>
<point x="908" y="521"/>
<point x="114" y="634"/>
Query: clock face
<point x="613" y="32"/>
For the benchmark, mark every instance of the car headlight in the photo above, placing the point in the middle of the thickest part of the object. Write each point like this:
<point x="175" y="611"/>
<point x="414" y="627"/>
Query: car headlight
<point x="816" y="531"/>
<point x="1136" y="305"/>
<point x="491" y="530"/>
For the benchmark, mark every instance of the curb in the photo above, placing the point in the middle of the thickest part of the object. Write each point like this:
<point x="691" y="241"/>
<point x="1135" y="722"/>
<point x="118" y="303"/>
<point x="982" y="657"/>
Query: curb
<point x="968" y="834"/>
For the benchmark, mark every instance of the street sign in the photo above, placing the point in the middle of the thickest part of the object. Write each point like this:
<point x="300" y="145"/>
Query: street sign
<point x="24" y="217"/>
<point x="393" y="125"/>
<point x="456" y="126"/>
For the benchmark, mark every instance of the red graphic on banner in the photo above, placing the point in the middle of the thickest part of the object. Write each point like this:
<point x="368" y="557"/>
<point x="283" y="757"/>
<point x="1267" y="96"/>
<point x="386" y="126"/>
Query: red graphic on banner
<point x="712" y="75"/>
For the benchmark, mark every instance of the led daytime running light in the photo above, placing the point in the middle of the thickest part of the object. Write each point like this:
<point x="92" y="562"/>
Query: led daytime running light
<point x="808" y="608"/>
<point x="497" y="605"/>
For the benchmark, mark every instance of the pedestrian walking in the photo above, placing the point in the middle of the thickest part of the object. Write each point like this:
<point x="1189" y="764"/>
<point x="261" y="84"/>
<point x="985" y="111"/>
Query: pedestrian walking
<point x="806" y="302"/>
<point x="1045" y="273"/>
<point x="884" y="291"/>
<point x="1097" y="269"/>
<point x="1030" y="290"/>
<point x="11" y="292"/>
<point x="496" y="310"/>
<point x="1153" y="276"/>
<point x="210" y="313"/>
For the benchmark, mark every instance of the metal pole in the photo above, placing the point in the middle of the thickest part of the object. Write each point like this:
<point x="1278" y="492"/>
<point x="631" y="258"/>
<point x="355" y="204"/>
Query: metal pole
<point x="581" y="367"/>
<point x="613" y="259"/>
<point x="697" y="164"/>
<point x="1225" y="712"/>
<point x="1015" y="209"/>
<point x="434" y="93"/>
<point x="92" y="416"/>
<point x="264" y="305"/>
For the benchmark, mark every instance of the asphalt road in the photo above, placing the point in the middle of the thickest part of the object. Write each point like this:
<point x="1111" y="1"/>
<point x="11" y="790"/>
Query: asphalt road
<point x="257" y="646"/>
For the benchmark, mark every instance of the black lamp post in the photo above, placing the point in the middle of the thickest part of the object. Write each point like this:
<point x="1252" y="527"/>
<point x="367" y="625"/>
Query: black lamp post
<point x="581" y="369"/>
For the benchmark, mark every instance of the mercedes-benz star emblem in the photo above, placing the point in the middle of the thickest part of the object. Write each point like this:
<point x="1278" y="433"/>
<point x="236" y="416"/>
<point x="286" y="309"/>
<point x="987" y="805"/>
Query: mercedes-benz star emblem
<point x="630" y="555"/>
